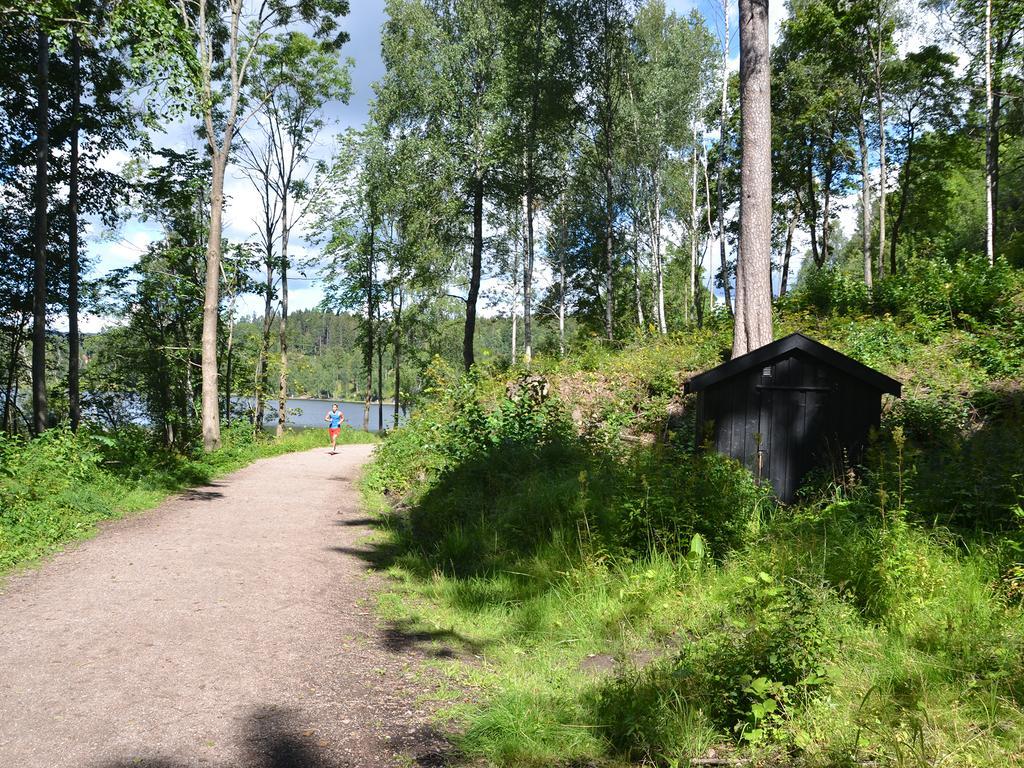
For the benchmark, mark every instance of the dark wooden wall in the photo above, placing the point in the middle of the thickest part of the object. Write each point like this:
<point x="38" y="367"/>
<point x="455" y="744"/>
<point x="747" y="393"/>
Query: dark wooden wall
<point x="785" y="418"/>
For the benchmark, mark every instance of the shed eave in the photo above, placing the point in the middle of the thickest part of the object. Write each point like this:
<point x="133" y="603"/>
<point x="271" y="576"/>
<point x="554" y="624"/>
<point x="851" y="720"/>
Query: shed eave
<point x="785" y="345"/>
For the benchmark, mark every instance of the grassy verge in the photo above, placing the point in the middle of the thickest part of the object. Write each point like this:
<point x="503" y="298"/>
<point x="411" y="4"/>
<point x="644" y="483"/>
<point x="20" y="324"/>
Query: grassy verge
<point x="58" y="487"/>
<point x="622" y="599"/>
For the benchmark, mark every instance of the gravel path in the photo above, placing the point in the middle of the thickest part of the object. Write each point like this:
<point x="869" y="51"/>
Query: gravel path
<point x="230" y="627"/>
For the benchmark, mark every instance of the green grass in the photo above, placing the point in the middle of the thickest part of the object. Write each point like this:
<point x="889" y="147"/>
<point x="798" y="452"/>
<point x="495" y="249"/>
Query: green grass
<point x="56" y="489"/>
<point x="612" y="601"/>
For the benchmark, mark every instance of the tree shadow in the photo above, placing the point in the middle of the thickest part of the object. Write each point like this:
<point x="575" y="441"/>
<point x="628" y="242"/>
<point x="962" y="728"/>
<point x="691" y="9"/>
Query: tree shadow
<point x="272" y="738"/>
<point x="404" y="636"/>
<point x="356" y="522"/>
<point x="201" y="494"/>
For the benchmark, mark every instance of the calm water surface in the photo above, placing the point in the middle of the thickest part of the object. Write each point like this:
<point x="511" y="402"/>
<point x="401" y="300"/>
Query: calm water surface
<point x="310" y="413"/>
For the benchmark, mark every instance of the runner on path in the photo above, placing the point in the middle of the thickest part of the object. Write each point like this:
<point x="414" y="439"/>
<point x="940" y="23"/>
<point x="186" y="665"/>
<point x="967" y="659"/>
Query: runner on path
<point x="334" y="418"/>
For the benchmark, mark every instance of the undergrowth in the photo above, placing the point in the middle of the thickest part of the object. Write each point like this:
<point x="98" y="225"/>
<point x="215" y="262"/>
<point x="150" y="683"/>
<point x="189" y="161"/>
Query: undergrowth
<point x="57" y="487"/>
<point x="626" y="599"/>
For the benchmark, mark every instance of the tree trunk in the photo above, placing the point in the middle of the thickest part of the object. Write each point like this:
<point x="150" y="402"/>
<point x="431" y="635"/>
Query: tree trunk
<point x="826" y="215"/>
<point x="74" y="340"/>
<point x="637" y="296"/>
<point x="698" y="299"/>
<point x="721" y="160"/>
<point x="691" y="294"/>
<point x="609" y="285"/>
<point x="659" y="262"/>
<point x="227" y="370"/>
<point x="264" y="350"/>
<point x="784" y="281"/>
<point x="783" y="284"/>
<point x="282" y="388"/>
<point x="476" y="267"/>
<point x="398" y="357"/>
<point x="528" y="278"/>
<point x="882" y="168"/>
<point x="865" y="201"/>
<point x="211" y="307"/>
<point x="39" y="410"/>
<point x="897" y="223"/>
<point x="812" y="214"/>
<point x="282" y="340"/>
<point x="11" y="390"/>
<point x="753" y="327"/>
<point x="369" y="333"/>
<point x="561" y="302"/>
<point x="380" y="369"/>
<point x="990" y="150"/>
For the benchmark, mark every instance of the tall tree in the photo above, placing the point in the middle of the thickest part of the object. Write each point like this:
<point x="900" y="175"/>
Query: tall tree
<point x="39" y="410"/>
<point x="297" y="77"/>
<point x="666" y="91"/>
<point x="74" y="266"/>
<point x="753" y="319"/>
<point x="925" y="95"/>
<point x="604" y="27"/>
<point x="539" y="88"/>
<point x="444" y="81"/>
<point x="238" y="29"/>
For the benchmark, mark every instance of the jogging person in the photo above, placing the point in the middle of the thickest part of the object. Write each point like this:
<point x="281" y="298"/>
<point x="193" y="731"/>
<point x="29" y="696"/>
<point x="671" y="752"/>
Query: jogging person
<point x="334" y="418"/>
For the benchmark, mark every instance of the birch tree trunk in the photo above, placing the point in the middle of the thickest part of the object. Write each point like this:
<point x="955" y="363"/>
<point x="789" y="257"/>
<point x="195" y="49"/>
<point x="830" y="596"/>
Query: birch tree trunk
<point x="990" y="150"/>
<point x="398" y="356"/>
<point x="659" y="261"/>
<point x="865" y="201"/>
<point x="282" y="328"/>
<point x="519" y="247"/>
<point x="39" y="410"/>
<point x="691" y="294"/>
<point x="528" y="277"/>
<point x="369" y="327"/>
<point x="882" y="168"/>
<point x="721" y="162"/>
<point x="637" y="297"/>
<point x="753" y="323"/>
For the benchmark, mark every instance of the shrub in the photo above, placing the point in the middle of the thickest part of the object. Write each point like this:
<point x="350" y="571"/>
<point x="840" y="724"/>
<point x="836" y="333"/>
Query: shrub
<point x="829" y="290"/>
<point x="933" y="288"/>
<point x="666" y="496"/>
<point x="746" y="678"/>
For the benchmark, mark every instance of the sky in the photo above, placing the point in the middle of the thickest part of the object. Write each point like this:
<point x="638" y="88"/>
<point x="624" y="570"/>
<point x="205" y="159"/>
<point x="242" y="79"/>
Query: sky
<point x="113" y="250"/>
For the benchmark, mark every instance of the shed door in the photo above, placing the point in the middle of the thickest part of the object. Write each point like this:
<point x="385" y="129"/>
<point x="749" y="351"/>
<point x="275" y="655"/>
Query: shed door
<point x="791" y="425"/>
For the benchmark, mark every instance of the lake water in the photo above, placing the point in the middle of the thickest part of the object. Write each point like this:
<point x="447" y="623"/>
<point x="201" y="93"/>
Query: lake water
<point x="310" y="413"/>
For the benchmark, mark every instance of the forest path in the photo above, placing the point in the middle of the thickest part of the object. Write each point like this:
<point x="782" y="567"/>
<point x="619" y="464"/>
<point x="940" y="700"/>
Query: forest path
<point x="230" y="627"/>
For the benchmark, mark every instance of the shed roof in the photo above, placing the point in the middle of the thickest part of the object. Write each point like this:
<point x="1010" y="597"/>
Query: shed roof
<point x="782" y="347"/>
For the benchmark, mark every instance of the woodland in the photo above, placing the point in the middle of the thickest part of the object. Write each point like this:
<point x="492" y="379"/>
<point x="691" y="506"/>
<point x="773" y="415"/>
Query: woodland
<point x="598" y="199"/>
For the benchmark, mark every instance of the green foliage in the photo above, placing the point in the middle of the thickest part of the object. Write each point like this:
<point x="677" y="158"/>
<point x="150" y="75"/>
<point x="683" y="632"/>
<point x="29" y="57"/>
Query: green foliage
<point x="876" y="620"/>
<point x="746" y="678"/>
<point x="963" y="293"/>
<point x="665" y="497"/>
<point x="829" y="290"/>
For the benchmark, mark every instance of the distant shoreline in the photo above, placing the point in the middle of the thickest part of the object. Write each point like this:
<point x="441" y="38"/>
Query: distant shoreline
<point x="329" y="400"/>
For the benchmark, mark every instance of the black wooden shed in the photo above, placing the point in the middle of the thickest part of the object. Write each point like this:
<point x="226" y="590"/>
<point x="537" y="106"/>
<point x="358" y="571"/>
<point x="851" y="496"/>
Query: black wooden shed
<point x="788" y="407"/>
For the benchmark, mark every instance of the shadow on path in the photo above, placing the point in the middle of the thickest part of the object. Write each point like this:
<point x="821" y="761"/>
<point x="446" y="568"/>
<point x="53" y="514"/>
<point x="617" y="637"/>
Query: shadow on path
<point x="404" y="636"/>
<point x="271" y="739"/>
<point x="202" y="494"/>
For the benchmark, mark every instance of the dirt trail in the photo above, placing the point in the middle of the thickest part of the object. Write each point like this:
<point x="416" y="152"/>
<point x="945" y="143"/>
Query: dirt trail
<point x="230" y="627"/>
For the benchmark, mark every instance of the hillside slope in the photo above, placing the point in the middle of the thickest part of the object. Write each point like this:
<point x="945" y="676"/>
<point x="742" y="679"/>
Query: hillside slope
<point x="636" y="601"/>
